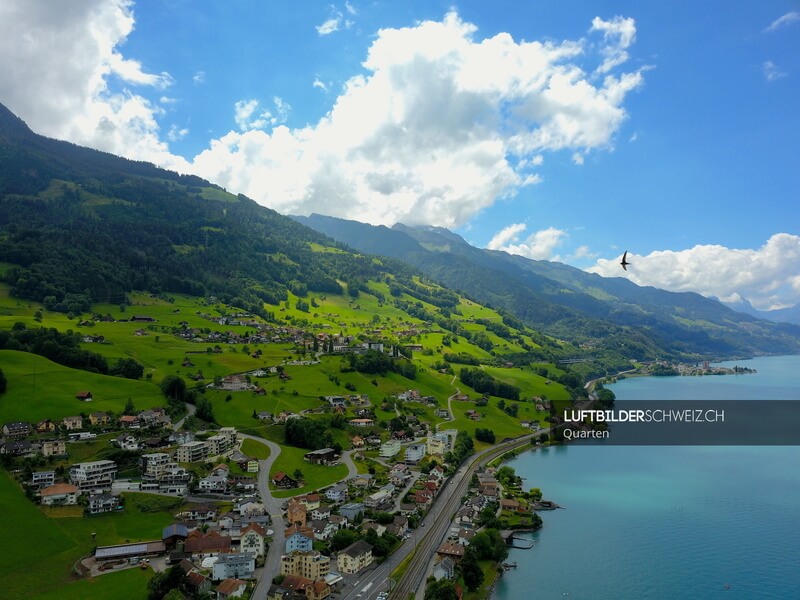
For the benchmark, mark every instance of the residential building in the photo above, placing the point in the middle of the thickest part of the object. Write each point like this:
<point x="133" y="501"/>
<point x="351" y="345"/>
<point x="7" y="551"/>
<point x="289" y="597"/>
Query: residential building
<point x="296" y="513"/>
<point x="362" y="422"/>
<point x="438" y="444"/>
<point x="60" y="494"/>
<point x="191" y="452"/>
<point x="352" y="510"/>
<point x="16" y="430"/>
<point x="99" y="418"/>
<point x="207" y="544"/>
<point x="282" y="480"/>
<point x="218" y="444"/>
<point x="72" y="423"/>
<point x="415" y="453"/>
<point x="152" y="465"/>
<point x="323" y="530"/>
<point x="298" y="541"/>
<point x="252" y="540"/>
<point x="362" y="480"/>
<point x="231" y="588"/>
<point x="102" y="503"/>
<point x="311" y="565"/>
<point x="451" y="549"/>
<point x="42" y="479"/>
<point x="199" y="583"/>
<point x="95" y="476"/>
<point x="445" y="569"/>
<point x="355" y="557"/>
<point x="54" y="448"/>
<point x="378" y="499"/>
<point x="390" y="449"/>
<point x="337" y="493"/>
<point x="321" y="513"/>
<point x="233" y="566"/>
<point x="213" y="483"/>
<point x="45" y="426"/>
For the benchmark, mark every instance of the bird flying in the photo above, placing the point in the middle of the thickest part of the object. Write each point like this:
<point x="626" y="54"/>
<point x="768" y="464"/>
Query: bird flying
<point x="625" y="262"/>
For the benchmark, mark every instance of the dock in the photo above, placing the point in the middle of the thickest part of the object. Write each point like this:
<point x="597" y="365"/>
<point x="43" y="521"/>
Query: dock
<point x="516" y="542"/>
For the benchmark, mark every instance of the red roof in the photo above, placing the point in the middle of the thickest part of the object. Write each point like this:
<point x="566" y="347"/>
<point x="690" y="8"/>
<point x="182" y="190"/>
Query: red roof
<point x="229" y="586"/>
<point x="59" y="489"/>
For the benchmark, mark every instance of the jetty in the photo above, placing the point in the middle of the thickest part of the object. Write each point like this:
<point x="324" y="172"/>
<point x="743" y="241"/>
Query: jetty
<point x="544" y="505"/>
<point x="515" y="542"/>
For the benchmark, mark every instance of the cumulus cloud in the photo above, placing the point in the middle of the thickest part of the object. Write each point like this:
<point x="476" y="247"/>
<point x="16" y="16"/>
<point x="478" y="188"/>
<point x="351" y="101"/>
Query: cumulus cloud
<point x="441" y="125"/>
<point x="176" y="133"/>
<point x="59" y="61"/>
<point x="772" y="71"/>
<point x="330" y="26"/>
<point x="783" y="21"/>
<point x="539" y="245"/>
<point x="766" y="276"/>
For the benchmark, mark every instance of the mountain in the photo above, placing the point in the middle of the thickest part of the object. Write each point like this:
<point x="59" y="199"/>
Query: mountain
<point x="567" y="302"/>
<point x="790" y="314"/>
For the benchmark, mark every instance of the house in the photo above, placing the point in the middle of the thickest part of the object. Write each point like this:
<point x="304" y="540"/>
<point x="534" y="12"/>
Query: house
<point x="311" y="501"/>
<point x="337" y="493"/>
<point x="445" y="569"/>
<point x="54" y="448"/>
<point x="72" y="423"/>
<point x="213" y="484"/>
<point x="250" y="507"/>
<point x="310" y="565"/>
<point x="282" y="480"/>
<point x="129" y="422"/>
<point x="323" y="530"/>
<point x="199" y="583"/>
<point x="231" y="588"/>
<point x="198" y="512"/>
<point x="84" y="396"/>
<point x="126" y="441"/>
<point x="465" y="536"/>
<point x="252" y="539"/>
<point x="362" y="422"/>
<point x="296" y="513"/>
<point x="340" y="521"/>
<point x="236" y="565"/>
<point x="423" y="498"/>
<point x="442" y="413"/>
<point x="362" y="480"/>
<point x="357" y="441"/>
<point x="451" y="549"/>
<point x="399" y="526"/>
<point x="301" y="587"/>
<point x="42" y="479"/>
<point x="373" y="526"/>
<point x="16" y="430"/>
<point x="511" y="505"/>
<point x="298" y="541"/>
<point x="60" y="494"/>
<point x="99" y="418"/>
<point x="45" y="426"/>
<point x="407" y="509"/>
<point x="234" y="383"/>
<point x="378" y="500"/>
<point x="415" y="453"/>
<point x="355" y="557"/>
<point x="321" y="513"/>
<point x="19" y="448"/>
<point x="102" y="503"/>
<point x="352" y="510"/>
<point x="438" y="444"/>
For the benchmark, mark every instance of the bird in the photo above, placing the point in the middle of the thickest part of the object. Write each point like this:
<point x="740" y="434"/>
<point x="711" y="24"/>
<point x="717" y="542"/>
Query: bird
<point x="624" y="262"/>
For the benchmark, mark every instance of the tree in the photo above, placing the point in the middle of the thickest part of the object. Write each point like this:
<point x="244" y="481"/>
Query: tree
<point x="444" y="589"/>
<point x="470" y="570"/>
<point x="298" y="474"/>
<point x="3" y="382"/>
<point x="127" y="368"/>
<point x="161" y="584"/>
<point x="205" y="410"/>
<point x="174" y="387"/>
<point x="129" y="409"/>
<point x="342" y="539"/>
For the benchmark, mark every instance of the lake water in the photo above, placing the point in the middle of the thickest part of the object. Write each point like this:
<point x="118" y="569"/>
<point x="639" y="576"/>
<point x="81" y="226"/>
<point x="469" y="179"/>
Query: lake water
<point x="674" y="522"/>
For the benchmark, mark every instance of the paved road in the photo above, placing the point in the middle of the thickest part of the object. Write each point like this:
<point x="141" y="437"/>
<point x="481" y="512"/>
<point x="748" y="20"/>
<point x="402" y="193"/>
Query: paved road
<point x="428" y="535"/>
<point x="347" y="459"/>
<point x="190" y="410"/>
<point x="272" y="565"/>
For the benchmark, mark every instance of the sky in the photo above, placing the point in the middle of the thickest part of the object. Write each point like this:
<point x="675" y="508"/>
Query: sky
<point x="561" y="131"/>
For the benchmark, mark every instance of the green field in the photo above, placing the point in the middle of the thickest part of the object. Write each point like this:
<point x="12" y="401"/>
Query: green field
<point x="41" y="389"/>
<point x="255" y="449"/>
<point x="30" y="569"/>
<point x="130" y="584"/>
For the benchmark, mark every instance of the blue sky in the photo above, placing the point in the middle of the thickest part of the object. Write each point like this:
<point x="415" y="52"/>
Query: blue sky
<point x="569" y="132"/>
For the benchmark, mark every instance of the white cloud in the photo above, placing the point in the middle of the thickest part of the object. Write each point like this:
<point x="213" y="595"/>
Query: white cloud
<point x="329" y="26"/>
<point x="177" y="133"/>
<point x="319" y="84"/>
<point x="350" y="8"/>
<point x="619" y="33"/>
<point x="440" y="126"/>
<point x="772" y="71"/>
<point x="767" y="276"/>
<point x="199" y="77"/>
<point x="538" y="246"/>
<point x="58" y="60"/>
<point x="577" y="158"/>
<point x="783" y="21"/>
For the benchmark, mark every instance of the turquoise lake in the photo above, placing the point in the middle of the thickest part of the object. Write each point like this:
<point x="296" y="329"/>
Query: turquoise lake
<point x="668" y="522"/>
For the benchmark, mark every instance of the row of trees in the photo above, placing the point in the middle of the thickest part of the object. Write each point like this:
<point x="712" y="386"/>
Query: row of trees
<point x="482" y="382"/>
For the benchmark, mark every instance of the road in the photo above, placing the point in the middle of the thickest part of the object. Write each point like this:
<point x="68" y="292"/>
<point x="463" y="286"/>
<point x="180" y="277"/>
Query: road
<point x="190" y="410"/>
<point x="430" y="532"/>
<point x="272" y="565"/>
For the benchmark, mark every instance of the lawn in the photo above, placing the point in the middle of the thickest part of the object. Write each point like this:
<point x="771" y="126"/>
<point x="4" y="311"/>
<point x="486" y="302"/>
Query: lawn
<point x="30" y="569"/>
<point x="255" y="449"/>
<point x="130" y="584"/>
<point x="315" y="476"/>
<point x="39" y="389"/>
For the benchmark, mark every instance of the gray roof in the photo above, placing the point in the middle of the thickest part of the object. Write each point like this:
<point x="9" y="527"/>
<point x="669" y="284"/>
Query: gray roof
<point x="357" y="548"/>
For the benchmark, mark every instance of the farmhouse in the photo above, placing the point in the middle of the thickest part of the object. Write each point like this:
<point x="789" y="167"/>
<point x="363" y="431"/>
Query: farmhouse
<point x="84" y="396"/>
<point x="325" y="456"/>
<point x="60" y="494"/>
